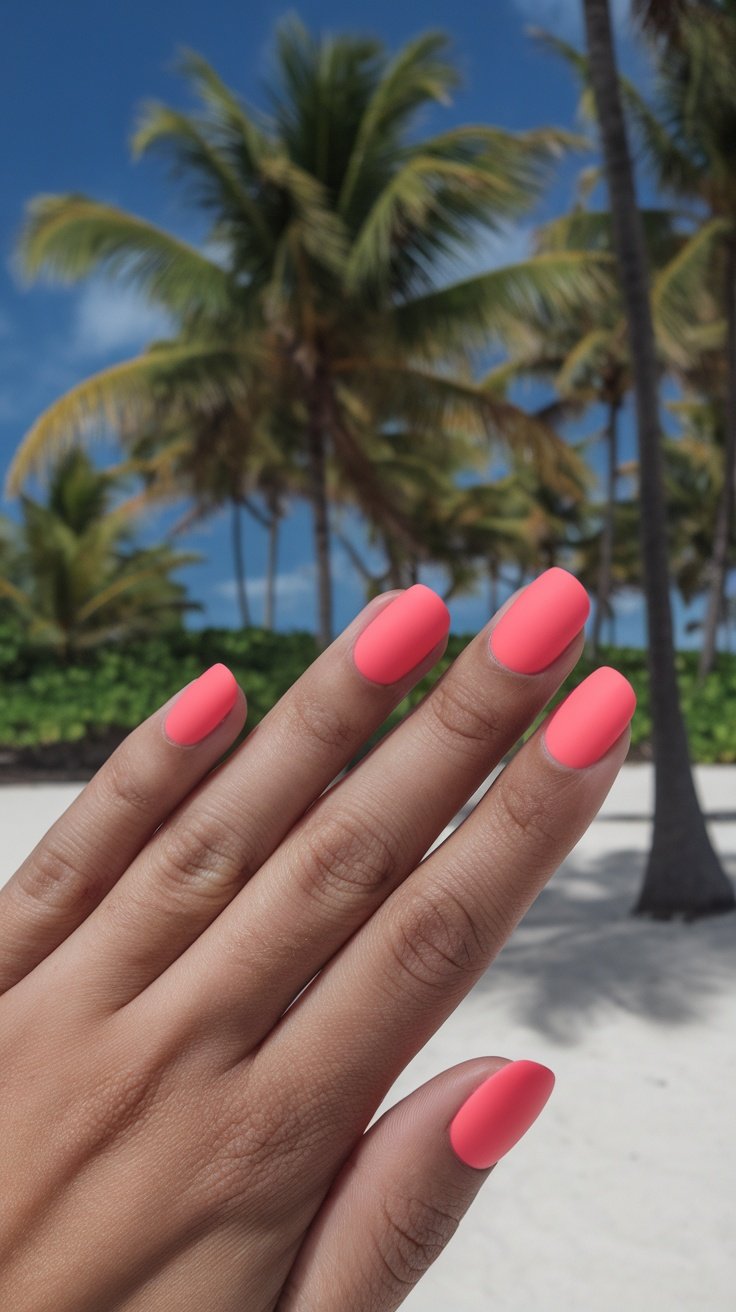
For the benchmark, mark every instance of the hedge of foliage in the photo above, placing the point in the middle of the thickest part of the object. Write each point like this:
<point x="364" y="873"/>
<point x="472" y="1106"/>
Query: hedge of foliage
<point x="115" y="687"/>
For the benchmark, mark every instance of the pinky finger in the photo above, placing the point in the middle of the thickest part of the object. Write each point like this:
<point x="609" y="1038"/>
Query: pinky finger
<point x="91" y="845"/>
<point x="400" y="1196"/>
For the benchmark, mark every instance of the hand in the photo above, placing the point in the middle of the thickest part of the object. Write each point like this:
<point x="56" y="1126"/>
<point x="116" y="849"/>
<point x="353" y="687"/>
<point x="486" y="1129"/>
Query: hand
<point x="211" y="977"/>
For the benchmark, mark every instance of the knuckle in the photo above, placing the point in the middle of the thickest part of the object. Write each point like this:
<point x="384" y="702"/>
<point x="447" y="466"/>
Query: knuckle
<point x="523" y="814"/>
<point x="201" y="856"/>
<point x="54" y="878"/>
<point x="436" y="941"/>
<point x="413" y="1233"/>
<point x="123" y="785"/>
<point x="347" y="855"/>
<point x="322" y="722"/>
<point x="460" y="716"/>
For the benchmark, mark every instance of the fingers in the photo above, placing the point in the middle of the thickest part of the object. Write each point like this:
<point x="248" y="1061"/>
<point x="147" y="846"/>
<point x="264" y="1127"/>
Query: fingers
<point x="400" y="1196"/>
<point x="83" y="854"/>
<point x="393" y="984"/>
<point x="210" y="847"/>
<point x="364" y="837"/>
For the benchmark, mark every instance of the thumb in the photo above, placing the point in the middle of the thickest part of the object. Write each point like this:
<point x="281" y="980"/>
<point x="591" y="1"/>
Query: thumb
<point x="401" y="1194"/>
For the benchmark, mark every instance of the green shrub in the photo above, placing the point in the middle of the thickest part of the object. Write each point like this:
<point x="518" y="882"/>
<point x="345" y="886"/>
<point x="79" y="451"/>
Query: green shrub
<point x="114" y="688"/>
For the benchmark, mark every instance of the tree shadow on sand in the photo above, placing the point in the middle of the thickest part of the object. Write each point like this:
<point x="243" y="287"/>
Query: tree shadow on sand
<point x="580" y="953"/>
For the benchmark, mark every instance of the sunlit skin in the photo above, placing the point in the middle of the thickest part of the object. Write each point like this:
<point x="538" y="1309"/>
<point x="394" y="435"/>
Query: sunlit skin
<point x="177" y="1134"/>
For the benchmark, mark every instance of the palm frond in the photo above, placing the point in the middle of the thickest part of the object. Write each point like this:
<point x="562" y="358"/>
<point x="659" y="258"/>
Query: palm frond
<point x="124" y="396"/>
<point x="71" y="236"/>
<point x="678" y="288"/>
<point x="229" y="118"/>
<point x="418" y="74"/>
<point x="219" y="187"/>
<point x="585" y="357"/>
<point x="480" y="309"/>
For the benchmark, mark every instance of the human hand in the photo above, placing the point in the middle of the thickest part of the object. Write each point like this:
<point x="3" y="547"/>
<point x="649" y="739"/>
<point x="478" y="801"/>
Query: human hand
<point x="211" y="977"/>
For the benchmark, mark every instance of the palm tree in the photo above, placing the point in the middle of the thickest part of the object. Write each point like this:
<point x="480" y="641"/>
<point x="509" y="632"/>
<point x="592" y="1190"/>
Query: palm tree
<point x="78" y="579"/>
<point x="332" y="221"/>
<point x="229" y="456"/>
<point x="683" y="874"/>
<point x="688" y="138"/>
<point x="586" y="355"/>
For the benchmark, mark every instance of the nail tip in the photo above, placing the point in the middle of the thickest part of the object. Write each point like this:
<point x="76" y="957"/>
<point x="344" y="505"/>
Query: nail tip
<point x="499" y="1112"/>
<point x="585" y="726"/>
<point x="542" y="622"/>
<point x="402" y="635"/>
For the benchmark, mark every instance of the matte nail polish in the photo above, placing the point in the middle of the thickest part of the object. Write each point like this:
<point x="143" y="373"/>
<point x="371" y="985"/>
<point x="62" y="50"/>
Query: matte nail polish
<point x="401" y="635"/>
<point x="541" y="623"/>
<point x="590" y="720"/>
<point x="499" y="1112"/>
<point x="201" y="706"/>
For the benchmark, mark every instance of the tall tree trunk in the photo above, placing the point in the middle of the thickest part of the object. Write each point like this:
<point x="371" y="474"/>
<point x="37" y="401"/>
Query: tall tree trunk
<point x="724" y="518"/>
<point x="683" y="874"/>
<point x="605" y="567"/>
<point x="395" y="564"/>
<point x="492" y="584"/>
<point x="236" y="525"/>
<point x="269" y="613"/>
<point x="316" y="430"/>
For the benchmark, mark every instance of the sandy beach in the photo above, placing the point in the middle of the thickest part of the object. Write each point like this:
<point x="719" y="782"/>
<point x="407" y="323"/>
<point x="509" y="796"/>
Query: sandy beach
<point x="622" y="1198"/>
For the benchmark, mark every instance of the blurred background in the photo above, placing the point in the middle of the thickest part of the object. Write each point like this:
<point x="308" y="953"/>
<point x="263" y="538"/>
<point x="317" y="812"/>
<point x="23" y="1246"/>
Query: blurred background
<point x="299" y="306"/>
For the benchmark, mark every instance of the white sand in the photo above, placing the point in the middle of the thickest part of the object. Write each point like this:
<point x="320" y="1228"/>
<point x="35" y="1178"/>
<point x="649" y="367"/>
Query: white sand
<point x="623" y="1196"/>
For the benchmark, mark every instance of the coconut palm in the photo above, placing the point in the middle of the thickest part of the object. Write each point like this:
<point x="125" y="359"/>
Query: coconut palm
<point x="233" y="455"/>
<point x="78" y="578"/>
<point x="332" y="221"/>
<point x="585" y="356"/>
<point x="683" y="874"/>
<point x="688" y="138"/>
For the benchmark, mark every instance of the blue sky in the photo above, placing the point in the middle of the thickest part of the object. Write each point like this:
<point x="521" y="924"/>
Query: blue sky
<point x="71" y="78"/>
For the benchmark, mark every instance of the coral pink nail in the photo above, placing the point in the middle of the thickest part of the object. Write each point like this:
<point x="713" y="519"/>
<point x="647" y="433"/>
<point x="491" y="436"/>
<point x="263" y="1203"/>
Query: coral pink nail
<point x="590" y="720"/>
<point x="500" y="1111"/>
<point x="401" y="635"/>
<point x="541" y="623"/>
<point x="201" y="707"/>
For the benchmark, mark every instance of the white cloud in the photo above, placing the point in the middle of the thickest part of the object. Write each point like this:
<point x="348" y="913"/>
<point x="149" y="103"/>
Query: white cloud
<point x="109" y="319"/>
<point x="565" y="17"/>
<point x="292" y="583"/>
<point x="219" y="252"/>
<point x="628" y="603"/>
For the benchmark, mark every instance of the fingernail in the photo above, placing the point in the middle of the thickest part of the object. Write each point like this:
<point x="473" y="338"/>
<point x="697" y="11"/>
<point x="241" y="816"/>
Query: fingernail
<point x="590" y="720"/>
<point x="542" y="622"/>
<point x="201" y="707"/>
<point x="401" y="635"/>
<point x="499" y="1112"/>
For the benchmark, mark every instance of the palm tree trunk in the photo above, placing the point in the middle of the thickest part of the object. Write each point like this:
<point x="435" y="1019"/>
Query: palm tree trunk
<point x="724" y="518"/>
<point x="318" y="494"/>
<point x="236" y="525"/>
<point x="271" y="564"/>
<point x="492" y="584"/>
<point x="683" y="874"/>
<point x="606" y="561"/>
